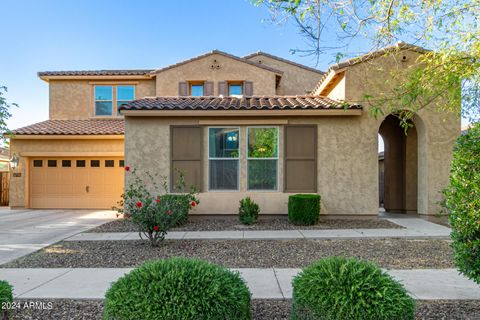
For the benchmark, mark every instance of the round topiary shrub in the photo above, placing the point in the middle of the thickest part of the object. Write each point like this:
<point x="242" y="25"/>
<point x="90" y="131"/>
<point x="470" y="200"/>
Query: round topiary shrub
<point x="462" y="201"/>
<point x="304" y="209"/>
<point x="6" y="296"/>
<point x="338" y="288"/>
<point x="178" y="288"/>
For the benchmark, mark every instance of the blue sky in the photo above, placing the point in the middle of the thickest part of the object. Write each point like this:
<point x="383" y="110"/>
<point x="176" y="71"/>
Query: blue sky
<point x="76" y="35"/>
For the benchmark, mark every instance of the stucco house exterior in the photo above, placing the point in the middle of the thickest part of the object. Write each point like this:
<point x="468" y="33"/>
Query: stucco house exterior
<point x="257" y="125"/>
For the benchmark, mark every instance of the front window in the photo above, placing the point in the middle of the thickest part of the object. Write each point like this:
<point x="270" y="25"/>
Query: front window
<point x="110" y="98"/>
<point x="262" y="158"/>
<point x="235" y="88"/>
<point x="125" y="94"/>
<point x="103" y="100"/>
<point x="223" y="155"/>
<point x="196" y="89"/>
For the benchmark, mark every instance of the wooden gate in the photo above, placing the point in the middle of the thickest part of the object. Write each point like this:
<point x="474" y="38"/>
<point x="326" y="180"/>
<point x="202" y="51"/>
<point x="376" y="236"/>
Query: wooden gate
<point x="4" y="187"/>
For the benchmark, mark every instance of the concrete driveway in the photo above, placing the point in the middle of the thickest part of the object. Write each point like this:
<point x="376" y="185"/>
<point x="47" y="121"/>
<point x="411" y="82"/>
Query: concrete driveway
<point x="25" y="231"/>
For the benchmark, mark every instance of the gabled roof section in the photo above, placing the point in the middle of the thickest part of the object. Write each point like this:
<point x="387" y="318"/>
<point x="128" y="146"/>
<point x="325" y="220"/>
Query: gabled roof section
<point x="237" y="103"/>
<point x="399" y="46"/>
<point x="225" y="54"/>
<point x="261" y="53"/>
<point x="74" y="127"/>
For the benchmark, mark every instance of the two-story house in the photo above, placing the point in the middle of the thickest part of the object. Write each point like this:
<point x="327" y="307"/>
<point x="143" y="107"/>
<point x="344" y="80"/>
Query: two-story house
<point x="258" y="126"/>
<point x="75" y="159"/>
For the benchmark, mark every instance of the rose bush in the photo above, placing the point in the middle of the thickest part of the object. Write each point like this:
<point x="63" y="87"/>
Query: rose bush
<point x="151" y="208"/>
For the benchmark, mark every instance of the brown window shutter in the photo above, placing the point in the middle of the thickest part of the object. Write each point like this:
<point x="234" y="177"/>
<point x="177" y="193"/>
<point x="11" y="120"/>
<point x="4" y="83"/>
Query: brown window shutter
<point x="222" y="88"/>
<point x="186" y="156"/>
<point x="208" y="88"/>
<point x="183" y="88"/>
<point x="300" y="158"/>
<point x="248" y="88"/>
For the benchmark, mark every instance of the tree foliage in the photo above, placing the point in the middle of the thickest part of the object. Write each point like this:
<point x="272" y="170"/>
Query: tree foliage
<point x="5" y="107"/>
<point x="449" y="27"/>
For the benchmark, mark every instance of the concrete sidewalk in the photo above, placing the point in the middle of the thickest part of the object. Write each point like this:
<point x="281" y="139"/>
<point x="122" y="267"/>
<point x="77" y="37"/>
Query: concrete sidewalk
<point x="272" y="283"/>
<point x="415" y="228"/>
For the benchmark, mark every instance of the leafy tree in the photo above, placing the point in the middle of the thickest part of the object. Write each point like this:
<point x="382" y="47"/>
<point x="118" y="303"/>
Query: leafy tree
<point x="447" y="77"/>
<point x="462" y="200"/>
<point x="4" y="111"/>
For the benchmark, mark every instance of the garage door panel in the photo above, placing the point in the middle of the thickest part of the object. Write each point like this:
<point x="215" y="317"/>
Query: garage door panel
<point x="76" y="187"/>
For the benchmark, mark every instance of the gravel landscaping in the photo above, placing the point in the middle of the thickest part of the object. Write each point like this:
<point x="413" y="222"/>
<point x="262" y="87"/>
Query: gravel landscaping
<point x="261" y="310"/>
<point x="391" y="253"/>
<point x="209" y="223"/>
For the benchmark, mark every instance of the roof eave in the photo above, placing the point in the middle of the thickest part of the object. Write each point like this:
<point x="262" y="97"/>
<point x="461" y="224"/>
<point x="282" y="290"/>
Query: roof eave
<point x="354" y="111"/>
<point x="47" y="78"/>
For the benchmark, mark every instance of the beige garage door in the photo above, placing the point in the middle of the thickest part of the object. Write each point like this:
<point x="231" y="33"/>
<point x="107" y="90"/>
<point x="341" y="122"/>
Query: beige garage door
<point x="78" y="183"/>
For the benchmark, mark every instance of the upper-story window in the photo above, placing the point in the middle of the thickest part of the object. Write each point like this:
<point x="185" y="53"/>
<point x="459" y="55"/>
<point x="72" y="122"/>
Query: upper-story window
<point x="108" y="98"/>
<point x="235" y="88"/>
<point x="125" y="94"/>
<point x="196" y="89"/>
<point x="103" y="100"/>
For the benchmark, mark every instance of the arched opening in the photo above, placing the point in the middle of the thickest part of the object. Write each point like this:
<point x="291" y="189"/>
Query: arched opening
<point x="398" y="183"/>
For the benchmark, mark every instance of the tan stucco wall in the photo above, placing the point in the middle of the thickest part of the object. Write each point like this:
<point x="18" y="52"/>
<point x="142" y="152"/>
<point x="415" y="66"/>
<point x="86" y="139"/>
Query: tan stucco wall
<point x="295" y="80"/>
<point x="436" y="130"/>
<point x="68" y="147"/>
<point x="230" y="70"/>
<point x="73" y="99"/>
<point x="344" y="145"/>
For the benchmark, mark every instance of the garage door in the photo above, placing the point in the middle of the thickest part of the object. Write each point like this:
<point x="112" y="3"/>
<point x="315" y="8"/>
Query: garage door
<point x="78" y="183"/>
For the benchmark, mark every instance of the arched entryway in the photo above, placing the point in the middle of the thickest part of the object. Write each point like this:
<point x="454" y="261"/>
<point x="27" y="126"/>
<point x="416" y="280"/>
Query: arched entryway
<point x="398" y="183"/>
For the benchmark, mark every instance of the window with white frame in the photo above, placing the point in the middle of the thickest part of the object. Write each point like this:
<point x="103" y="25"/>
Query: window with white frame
<point x="103" y="100"/>
<point x="108" y="98"/>
<point x="125" y="94"/>
<point x="223" y="158"/>
<point x="262" y="158"/>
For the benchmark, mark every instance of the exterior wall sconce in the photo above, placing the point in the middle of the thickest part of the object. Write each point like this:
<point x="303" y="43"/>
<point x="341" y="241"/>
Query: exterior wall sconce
<point x="14" y="161"/>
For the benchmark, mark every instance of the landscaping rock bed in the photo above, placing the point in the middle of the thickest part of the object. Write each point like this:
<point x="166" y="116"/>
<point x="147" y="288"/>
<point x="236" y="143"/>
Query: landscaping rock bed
<point x="391" y="253"/>
<point x="261" y="310"/>
<point x="209" y="223"/>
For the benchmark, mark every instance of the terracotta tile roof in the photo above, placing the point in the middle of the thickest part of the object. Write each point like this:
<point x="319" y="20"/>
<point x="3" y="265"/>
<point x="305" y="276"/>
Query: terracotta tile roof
<point x="73" y="127"/>
<point x="261" y="53"/>
<point x="236" y="103"/>
<point x="96" y="73"/>
<point x="399" y="46"/>
<point x="228" y="55"/>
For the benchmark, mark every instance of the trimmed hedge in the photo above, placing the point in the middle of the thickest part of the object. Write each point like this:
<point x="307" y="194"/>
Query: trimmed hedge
<point x="178" y="288"/>
<point x="248" y="211"/>
<point x="6" y="295"/>
<point x="338" y="288"/>
<point x="462" y="201"/>
<point x="304" y="209"/>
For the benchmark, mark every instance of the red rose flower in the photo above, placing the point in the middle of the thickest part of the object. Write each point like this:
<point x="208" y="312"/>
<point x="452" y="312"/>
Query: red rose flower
<point x="193" y="204"/>
<point x="117" y="215"/>
<point x="139" y="204"/>
<point x="127" y="168"/>
<point x="155" y="228"/>
<point x="124" y="216"/>
<point x="157" y="200"/>
<point x="169" y="212"/>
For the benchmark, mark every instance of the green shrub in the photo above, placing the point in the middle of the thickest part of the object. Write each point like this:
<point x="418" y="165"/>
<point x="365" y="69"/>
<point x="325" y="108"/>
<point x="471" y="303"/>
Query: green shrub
<point x="248" y="211"/>
<point x="6" y="296"/>
<point x="178" y="288"/>
<point x="462" y="201"/>
<point x="338" y="288"/>
<point x="304" y="209"/>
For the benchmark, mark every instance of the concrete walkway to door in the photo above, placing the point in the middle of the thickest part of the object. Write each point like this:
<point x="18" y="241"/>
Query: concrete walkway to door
<point x="23" y="231"/>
